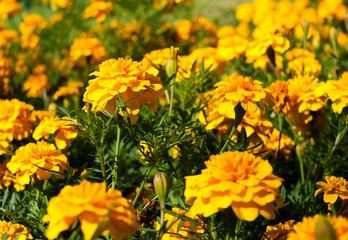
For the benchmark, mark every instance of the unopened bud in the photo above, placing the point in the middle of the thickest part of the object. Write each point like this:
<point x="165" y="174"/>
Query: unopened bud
<point x="172" y="61"/>
<point x="324" y="229"/>
<point x="52" y="109"/>
<point x="160" y="183"/>
<point x="87" y="106"/>
<point x="301" y="149"/>
<point x="333" y="38"/>
<point x="305" y="26"/>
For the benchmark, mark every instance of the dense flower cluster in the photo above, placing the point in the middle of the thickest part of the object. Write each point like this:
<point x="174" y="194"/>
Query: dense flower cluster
<point x="92" y="206"/>
<point x="128" y="79"/>
<point x="238" y="180"/>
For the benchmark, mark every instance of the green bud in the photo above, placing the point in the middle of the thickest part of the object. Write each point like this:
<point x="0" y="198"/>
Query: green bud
<point x="324" y="229"/>
<point x="160" y="183"/>
<point x="305" y="26"/>
<point x="172" y="61"/>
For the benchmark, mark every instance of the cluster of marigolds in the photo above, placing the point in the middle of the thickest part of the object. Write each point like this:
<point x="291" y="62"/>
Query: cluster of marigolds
<point x="281" y="37"/>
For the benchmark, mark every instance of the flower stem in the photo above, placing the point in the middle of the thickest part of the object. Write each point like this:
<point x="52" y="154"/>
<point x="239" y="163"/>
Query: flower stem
<point x="102" y="163"/>
<point x="231" y="221"/>
<point x="300" y="158"/>
<point x="118" y="138"/>
<point x="234" y="128"/>
<point x="142" y="185"/>
<point x="337" y="142"/>
<point x="171" y="99"/>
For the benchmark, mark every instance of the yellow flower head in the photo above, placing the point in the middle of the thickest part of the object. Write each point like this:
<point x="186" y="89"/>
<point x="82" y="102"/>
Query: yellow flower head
<point x="279" y="231"/>
<point x="9" y="8"/>
<point x="91" y="203"/>
<point x="174" y="222"/>
<point x="333" y="188"/>
<point x="84" y="47"/>
<point x="61" y="3"/>
<point x="32" y="24"/>
<point x="7" y="178"/>
<point x="235" y="179"/>
<point x="272" y="141"/>
<point x="27" y="160"/>
<point x="98" y="10"/>
<point x="127" y="78"/>
<point x="73" y="88"/>
<point x="279" y="90"/>
<point x="64" y="134"/>
<point x="307" y="228"/>
<point x="337" y="90"/>
<point x="238" y="89"/>
<point x="156" y="57"/>
<point x="15" y="120"/>
<point x="35" y="83"/>
<point x="12" y="231"/>
<point x="6" y="70"/>
<point x="302" y="62"/>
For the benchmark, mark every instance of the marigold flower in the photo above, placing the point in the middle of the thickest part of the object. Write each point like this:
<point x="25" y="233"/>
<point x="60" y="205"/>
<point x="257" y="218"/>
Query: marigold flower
<point x="7" y="178"/>
<point x="35" y="83"/>
<point x="27" y="160"/>
<point x="156" y="57"/>
<point x="15" y="119"/>
<point x="90" y="203"/>
<point x="337" y="90"/>
<point x="272" y="141"/>
<point x="333" y="188"/>
<point x="279" y="231"/>
<point x="84" y="47"/>
<point x="6" y="70"/>
<point x="238" y="180"/>
<point x="127" y="78"/>
<point x="64" y="133"/>
<point x="32" y="24"/>
<point x="14" y="231"/>
<point x="184" y="232"/>
<point x="9" y="8"/>
<point x="279" y="90"/>
<point x="61" y="3"/>
<point x="238" y="89"/>
<point x="306" y="228"/>
<point x="302" y="61"/>
<point x="73" y="88"/>
<point x="98" y="10"/>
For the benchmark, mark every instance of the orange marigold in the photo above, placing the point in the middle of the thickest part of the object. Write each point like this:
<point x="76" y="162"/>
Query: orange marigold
<point x="302" y="62"/>
<point x="73" y="88"/>
<point x="337" y="90"/>
<point x="92" y="205"/>
<point x="307" y="228"/>
<point x="7" y="178"/>
<point x="238" y="89"/>
<point x="15" y="120"/>
<point x="279" y="231"/>
<point x="35" y="83"/>
<point x="13" y="231"/>
<point x="98" y="10"/>
<point x="27" y="160"/>
<point x="333" y="188"/>
<point x="84" y="47"/>
<point x="279" y="90"/>
<point x="9" y="8"/>
<point x="127" y="78"/>
<point x="64" y="133"/>
<point x="238" y="180"/>
<point x="185" y="230"/>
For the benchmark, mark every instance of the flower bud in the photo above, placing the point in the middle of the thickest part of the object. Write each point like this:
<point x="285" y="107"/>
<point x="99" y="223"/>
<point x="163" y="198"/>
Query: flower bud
<point x="52" y="109"/>
<point x="172" y="61"/>
<point x="160" y="183"/>
<point x="305" y="27"/>
<point x="301" y="149"/>
<point x="324" y="229"/>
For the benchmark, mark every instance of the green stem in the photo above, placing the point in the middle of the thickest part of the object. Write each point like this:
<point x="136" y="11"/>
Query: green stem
<point x="102" y="163"/>
<point x="300" y="158"/>
<point x="171" y="99"/>
<point x="234" y="128"/>
<point x="337" y="142"/>
<point x="118" y="138"/>
<point x="231" y="221"/>
<point x="142" y="185"/>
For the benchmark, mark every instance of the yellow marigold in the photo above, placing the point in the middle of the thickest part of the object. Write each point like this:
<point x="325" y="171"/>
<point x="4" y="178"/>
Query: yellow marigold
<point x="127" y="78"/>
<point x="307" y="228"/>
<point x="64" y="133"/>
<point x="9" y="8"/>
<point x="238" y="89"/>
<point x="15" y="119"/>
<point x="278" y="231"/>
<point x="342" y="40"/>
<point x="173" y="222"/>
<point x="244" y="12"/>
<point x="231" y="42"/>
<point x="279" y="90"/>
<point x="306" y="94"/>
<point x="91" y="203"/>
<point x="7" y="37"/>
<point x="73" y="88"/>
<point x="238" y="180"/>
<point x="14" y="231"/>
<point x="32" y="23"/>
<point x="39" y="115"/>
<point x="61" y="3"/>
<point x="98" y="10"/>
<point x="7" y="178"/>
<point x="156" y="57"/>
<point x="84" y="47"/>
<point x="302" y="62"/>
<point x="333" y="188"/>
<point x="146" y="149"/>
<point x="272" y="141"/>
<point x="6" y="70"/>
<point x="35" y="83"/>
<point x="27" y="160"/>
<point x="337" y="90"/>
